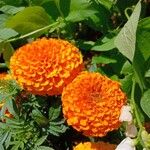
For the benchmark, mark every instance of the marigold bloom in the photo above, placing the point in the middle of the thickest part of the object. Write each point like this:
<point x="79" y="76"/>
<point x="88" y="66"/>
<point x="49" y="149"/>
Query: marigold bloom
<point x="46" y="66"/>
<point x="92" y="104"/>
<point x="95" y="146"/>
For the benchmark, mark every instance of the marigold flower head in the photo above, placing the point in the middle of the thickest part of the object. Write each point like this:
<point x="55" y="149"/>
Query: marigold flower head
<point x="95" y="146"/>
<point x="46" y="66"/>
<point x="92" y="104"/>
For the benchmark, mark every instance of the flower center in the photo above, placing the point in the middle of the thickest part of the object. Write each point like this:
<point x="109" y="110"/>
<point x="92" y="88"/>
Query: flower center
<point x="95" y="96"/>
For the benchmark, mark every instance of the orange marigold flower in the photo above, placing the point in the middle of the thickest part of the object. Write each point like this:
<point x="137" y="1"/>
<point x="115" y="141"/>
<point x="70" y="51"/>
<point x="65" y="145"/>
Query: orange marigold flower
<point x="46" y="66"/>
<point x="92" y="104"/>
<point x="95" y="146"/>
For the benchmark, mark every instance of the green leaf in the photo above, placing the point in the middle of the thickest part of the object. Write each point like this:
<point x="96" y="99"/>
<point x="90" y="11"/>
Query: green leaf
<point x="7" y="53"/>
<point x="145" y="102"/>
<point x="28" y="20"/>
<point x="11" y="106"/>
<point x="126" y="83"/>
<point x="54" y="112"/>
<point x="99" y="46"/>
<point x="5" y="135"/>
<point x="147" y="74"/>
<point x="39" y="118"/>
<point x="106" y="3"/>
<point x="3" y="19"/>
<point x="126" y="39"/>
<point x="143" y="34"/>
<point x="80" y="10"/>
<point x="41" y="140"/>
<point x="11" y="10"/>
<point x="127" y="68"/>
<point x="7" y="33"/>
<point x="7" y="141"/>
<point x="103" y="60"/>
<point x="139" y="69"/>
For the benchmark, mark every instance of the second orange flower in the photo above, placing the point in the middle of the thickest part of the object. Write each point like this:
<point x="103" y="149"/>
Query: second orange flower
<point x="92" y="104"/>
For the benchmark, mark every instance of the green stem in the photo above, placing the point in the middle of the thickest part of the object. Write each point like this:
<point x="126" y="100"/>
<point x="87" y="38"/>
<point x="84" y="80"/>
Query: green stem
<point x="126" y="12"/>
<point x="31" y="33"/>
<point x="139" y="123"/>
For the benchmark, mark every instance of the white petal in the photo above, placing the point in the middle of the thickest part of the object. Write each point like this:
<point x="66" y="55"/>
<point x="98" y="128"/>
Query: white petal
<point x="125" y="114"/>
<point x="126" y="144"/>
<point x="131" y="130"/>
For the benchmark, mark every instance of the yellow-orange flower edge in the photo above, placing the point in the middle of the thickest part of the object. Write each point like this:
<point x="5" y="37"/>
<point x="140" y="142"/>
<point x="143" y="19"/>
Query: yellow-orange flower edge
<point x="46" y="66"/>
<point x="92" y="104"/>
<point x="95" y="146"/>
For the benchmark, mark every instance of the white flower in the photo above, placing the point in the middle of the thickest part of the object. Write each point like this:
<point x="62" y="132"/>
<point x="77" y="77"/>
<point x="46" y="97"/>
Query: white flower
<point x="126" y="144"/>
<point x="125" y="114"/>
<point x="131" y="130"/>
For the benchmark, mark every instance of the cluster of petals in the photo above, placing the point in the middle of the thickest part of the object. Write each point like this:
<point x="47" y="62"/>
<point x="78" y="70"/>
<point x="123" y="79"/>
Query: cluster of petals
<point x="95" y="146"/>
<point x="46" y="66"/>
<point x="92" y="104"/>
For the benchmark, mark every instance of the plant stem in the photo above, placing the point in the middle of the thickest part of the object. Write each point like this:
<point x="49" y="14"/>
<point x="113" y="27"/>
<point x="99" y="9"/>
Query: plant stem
<point x="137" y="117"/>
<point x="31" y="33"/>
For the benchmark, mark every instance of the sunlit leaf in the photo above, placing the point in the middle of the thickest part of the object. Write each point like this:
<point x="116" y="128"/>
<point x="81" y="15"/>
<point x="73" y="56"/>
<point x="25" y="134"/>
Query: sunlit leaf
<point x="126" y="39"/>
<point x="28" y="20"/>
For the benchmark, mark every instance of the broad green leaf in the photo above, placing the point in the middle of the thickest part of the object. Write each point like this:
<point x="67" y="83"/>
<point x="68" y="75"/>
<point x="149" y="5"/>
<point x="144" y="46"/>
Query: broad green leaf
<point x="7" y="52"/>
<point x="11" y="10"/>
<point x="7" y="33"/>
<point x="41" y="140"/>
<point x="103" y="60"/>
<point x="28" y="20"/>
<point x="145" y="102"/>
<point x="126" y="39"/>
<point x="99" y="21"/>
<point x="80" y="10"/>
<point x="109" y="45"/>
<point x="143" y="36"/>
